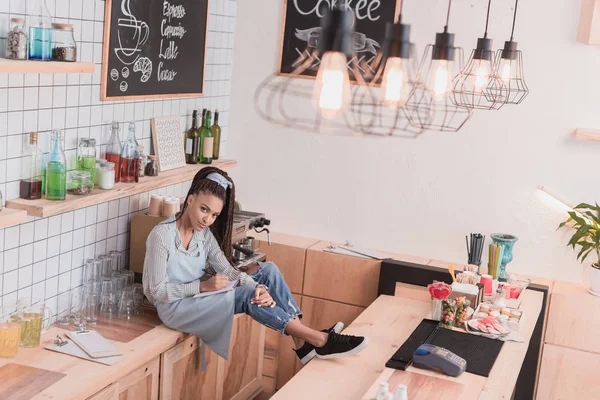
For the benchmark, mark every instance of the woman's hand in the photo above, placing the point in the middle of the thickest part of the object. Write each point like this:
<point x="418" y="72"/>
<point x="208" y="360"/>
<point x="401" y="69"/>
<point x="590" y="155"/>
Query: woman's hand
<point x="262" y="298"/>
<point x="214" y="283"/>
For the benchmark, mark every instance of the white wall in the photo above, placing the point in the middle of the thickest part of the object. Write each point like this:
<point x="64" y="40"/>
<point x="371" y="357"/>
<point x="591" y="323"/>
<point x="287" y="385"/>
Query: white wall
<point x="422" y="196"/>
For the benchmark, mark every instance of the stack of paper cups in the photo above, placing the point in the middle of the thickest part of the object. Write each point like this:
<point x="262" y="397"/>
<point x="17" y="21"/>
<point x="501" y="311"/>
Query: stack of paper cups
<point x="171" y="206"/>
<point x="156" y="205"/>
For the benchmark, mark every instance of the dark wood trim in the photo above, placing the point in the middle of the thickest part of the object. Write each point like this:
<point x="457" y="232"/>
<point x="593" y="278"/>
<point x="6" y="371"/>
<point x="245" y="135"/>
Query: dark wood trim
<point x="393" y="271"/>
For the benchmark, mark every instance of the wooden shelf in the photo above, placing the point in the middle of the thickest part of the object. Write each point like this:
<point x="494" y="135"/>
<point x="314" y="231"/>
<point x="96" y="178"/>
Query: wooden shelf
<point x="587" y="134"/>
<point x="45" y="67"/>
<point x="47" y="208"/>
<point x="9" y="216"/>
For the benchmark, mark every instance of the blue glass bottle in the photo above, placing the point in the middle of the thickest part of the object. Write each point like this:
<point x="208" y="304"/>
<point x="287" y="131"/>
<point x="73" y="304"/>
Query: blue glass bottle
<point x="40" y="32"/>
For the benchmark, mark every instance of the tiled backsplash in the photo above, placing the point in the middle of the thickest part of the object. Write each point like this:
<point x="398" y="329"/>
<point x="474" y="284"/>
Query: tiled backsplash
<point x="44" y="257"/>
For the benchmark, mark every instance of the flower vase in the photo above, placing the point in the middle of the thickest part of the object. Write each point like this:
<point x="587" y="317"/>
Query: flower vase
<point x="507" y="241"/>
<point x="436" y="309"/>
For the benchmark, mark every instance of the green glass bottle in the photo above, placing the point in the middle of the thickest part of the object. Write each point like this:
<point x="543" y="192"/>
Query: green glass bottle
<point x="216" y="130"/>
<point x="56" y="171"/>
<point x="192" y="141"/>
<point x="206" y="141"/>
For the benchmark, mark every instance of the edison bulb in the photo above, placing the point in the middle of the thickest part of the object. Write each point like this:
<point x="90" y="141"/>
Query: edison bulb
<point x="439" y="81"/>
<point x="504" y="70"/>
<point x="394" y="84"/>
<point x="331" y="93"/>
<point x="482" y="69"/>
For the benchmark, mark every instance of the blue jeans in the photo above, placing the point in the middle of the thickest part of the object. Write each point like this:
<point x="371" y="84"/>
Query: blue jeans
<point x="277" y="317"/>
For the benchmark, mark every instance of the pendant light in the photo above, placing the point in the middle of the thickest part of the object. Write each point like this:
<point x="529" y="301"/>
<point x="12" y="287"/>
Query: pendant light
<point x="396" y="71"/>
<point x="472" y="84"/>
<point x="429" y="106"/>
<point x="328" y="104"/>
<point x="509" y="71"/>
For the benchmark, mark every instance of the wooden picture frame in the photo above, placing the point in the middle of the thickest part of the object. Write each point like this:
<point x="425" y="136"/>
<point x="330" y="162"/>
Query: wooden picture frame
<point x="105" y="61"/>
<point x="282" y="41"/>
<point x="167" y="139"/>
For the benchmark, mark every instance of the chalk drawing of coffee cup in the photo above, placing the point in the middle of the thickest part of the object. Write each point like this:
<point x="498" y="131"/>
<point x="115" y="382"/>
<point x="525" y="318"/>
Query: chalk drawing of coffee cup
<point x="132" y="35"/>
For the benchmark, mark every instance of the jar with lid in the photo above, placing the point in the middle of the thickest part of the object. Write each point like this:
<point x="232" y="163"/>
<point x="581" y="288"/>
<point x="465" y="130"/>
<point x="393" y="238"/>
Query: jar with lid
<point x="142" y="162"/>
<point x="63" y="43"/>
<point x="107" y="176"/>
<point x="16" y="40"/>
<point x="99" y="164"/>
<point x="152" y="166"/>
<point x="86" y="156"/>
<point x="80" y="183"/>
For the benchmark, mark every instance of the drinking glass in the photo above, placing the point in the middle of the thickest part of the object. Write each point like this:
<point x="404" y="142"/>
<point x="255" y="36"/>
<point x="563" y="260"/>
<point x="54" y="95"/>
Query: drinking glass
<point x="10" y="331"/>
<point x="108" y="306"/>
<point x="126" y="304"/>
<point x="64" y="308"/>
<point x="90" y="309"/>
<point x="92" y="270"/>
<point x="77" y="307"/>
<point x="138" y="298"/>
<point x="105" y="266"/>
<point x="116" y="261"/>
<point x="35" y="319"/>
<point x="130" y="276"/>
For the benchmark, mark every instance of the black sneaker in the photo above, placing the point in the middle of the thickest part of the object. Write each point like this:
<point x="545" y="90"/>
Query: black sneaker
<point x="307" y="351"/>
<point x="342" y="346"/>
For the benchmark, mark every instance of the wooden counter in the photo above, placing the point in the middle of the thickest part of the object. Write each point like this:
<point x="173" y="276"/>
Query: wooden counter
<point x="136" y="376"/>
<point x="388" y="322"/>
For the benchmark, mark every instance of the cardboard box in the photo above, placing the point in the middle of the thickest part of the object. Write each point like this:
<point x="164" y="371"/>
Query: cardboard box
<point x="141" y="226"/>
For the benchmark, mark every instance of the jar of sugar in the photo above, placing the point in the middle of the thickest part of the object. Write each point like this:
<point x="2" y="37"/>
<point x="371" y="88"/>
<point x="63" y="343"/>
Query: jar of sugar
<point x="107" y="179"/>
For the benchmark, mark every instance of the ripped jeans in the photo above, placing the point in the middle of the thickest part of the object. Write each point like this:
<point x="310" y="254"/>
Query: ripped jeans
<point x="277" y="317"/>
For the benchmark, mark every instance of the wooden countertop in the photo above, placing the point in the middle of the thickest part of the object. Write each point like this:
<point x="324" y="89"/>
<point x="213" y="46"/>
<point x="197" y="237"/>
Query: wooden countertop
<point x="85" y="378"/>
<point x="388" y="322"/>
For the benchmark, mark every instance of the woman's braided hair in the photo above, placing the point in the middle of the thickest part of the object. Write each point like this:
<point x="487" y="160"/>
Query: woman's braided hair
<point x="223" y="225"/>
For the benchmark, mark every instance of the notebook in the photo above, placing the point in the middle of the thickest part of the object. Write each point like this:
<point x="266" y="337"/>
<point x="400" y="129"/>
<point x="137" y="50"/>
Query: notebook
<point x="230" y="286"/>
<point x="94" y="344"/>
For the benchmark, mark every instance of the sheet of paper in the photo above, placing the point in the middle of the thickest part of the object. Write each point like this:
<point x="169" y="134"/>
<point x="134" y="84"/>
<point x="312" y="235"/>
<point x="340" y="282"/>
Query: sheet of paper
<point x="73" y="350"/>
<point x="366" y="252"/>
<point x="230" y="286"/>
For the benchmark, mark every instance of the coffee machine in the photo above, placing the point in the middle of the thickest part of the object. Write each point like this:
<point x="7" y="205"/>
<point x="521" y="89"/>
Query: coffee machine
<point x="245" y="246"/>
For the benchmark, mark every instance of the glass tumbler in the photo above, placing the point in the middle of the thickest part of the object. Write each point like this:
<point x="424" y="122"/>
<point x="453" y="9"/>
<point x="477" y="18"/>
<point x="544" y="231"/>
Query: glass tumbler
<point x="116" y="260"/>
<point x="108" y="306"/>
<point x="92" y="270"/>
<point x="35" y="320"/>
<point x="126" y="304"/>
<point x="105" y="266"/>
<point x="138" y="298"/>
<point x="90" y="308"/>
<point x="10" y="331"/>
<point x="64" y="308"/>
<point x="77" y="307"/>
<point x="130" y="276"/>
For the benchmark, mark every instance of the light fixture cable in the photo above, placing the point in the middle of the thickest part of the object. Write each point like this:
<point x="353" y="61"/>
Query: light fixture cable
<point x="512" y="32"/>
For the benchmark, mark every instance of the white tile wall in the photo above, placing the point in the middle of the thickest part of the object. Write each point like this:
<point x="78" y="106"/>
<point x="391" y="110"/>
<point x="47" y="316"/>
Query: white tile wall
<point x="46" y="256"/>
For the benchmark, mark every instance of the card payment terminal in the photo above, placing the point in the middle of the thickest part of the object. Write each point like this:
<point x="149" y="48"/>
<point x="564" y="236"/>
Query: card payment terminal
<point x="428" y="356"/>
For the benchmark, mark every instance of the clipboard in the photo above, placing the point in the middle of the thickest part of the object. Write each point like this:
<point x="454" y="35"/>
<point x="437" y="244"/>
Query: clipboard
<point x="71" y="349"/>
<point x="94" y="344"/>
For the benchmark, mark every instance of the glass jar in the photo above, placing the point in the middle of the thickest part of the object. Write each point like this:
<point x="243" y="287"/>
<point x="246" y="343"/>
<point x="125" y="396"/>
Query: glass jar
<point x="63" y="43"/>
<point x="40" y="32"/>
<point x="152" y="166"/>
<point x="107" y="178"/>
<point x="86" y="156"/>
<point x="79" y="183"/>
<point x="142" y="162"/>
<point x="16" y="41"/>
<point x="99" y="165"/>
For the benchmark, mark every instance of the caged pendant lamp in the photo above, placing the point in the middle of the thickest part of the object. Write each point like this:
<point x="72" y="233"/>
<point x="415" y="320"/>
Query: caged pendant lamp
<point x="396" y="70"/>
<point x="429" y="106"/>
<point x="326" y="104"/>
<point x="509" y="71"/>
<point x="471" y="86"/>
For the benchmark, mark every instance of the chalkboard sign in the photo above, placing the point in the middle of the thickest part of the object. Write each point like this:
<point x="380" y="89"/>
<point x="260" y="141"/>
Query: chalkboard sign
<point x="302" y="28"/>
<point x="154" y="48"/>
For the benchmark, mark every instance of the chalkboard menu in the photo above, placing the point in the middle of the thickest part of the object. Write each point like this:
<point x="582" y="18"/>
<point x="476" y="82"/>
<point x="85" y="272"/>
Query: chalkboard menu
<point x="302" y="29"/>
<point x="154" y="48"/>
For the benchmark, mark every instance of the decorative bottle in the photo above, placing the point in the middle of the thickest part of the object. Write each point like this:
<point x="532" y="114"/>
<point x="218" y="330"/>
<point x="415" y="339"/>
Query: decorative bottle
<point x="56" y="170"/>
<point x="206" y="141"/>
<point x="216" y="130"/>
<point x="114" y="149"/>
<point x="192" y="139"/>
<point x="130" y="157"/>
<point x="30" y="187"/>
<point x="40" y="32"/>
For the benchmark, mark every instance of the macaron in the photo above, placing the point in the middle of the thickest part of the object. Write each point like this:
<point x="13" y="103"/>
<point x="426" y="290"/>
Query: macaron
<point x="516" y="320"/>
<point x="485" y="307"/>
<point x="494" y="313"/>
<point x="505" y="311"/>
<point x="516" y="313"/>
<point x="480" y="315"/>
<point x="503" y="318"/>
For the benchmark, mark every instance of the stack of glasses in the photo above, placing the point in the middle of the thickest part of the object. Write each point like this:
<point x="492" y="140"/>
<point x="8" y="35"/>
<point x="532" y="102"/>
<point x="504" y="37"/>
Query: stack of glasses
<point x="108" y="292"/>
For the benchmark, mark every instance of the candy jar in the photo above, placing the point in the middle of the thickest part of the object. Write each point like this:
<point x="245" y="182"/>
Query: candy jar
<point x="16" y="40"/>
<point x="448" y="311"/>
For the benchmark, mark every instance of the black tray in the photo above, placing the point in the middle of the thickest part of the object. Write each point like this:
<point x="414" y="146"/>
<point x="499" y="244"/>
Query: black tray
<point x="479" y="352"/>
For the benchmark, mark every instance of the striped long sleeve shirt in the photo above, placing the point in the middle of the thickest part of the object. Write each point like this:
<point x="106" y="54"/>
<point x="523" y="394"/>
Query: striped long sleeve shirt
<point x="155" y="279"/>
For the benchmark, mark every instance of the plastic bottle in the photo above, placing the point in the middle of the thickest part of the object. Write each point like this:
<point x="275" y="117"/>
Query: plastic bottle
<point x="401" y="393"/>
<point x="383" y="393"/>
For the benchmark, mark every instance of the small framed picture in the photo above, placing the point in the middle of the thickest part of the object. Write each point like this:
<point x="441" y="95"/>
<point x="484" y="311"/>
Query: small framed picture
<point x="167" y="138"/>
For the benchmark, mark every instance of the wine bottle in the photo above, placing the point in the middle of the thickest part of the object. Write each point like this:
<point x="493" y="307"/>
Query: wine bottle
<point x="192" y="141"/>
<point x="216" y="130"/>
<point x="31" y="185"/>
<point x="206" y="141"/>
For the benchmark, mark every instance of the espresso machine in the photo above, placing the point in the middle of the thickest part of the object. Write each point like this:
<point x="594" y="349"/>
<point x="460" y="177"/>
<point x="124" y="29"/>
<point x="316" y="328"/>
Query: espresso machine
<point x="245" y="246"/>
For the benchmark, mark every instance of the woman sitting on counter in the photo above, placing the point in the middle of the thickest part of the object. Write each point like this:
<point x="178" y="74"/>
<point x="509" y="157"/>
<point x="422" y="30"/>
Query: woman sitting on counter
<point x="189" y="254"/>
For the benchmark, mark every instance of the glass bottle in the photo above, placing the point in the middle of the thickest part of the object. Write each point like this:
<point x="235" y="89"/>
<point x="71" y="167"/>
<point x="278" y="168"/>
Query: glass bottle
<point x="142" y="161"/>
<point x="16" y="42"/>
<point x="192" y="139"/>
<point x="30" y="187"/>
<point x="86" y="156"/>
<point x="56" y="170"/>
<point x="40" y="32"/>
<point x="63" y="43"/>
<point x="114" y="149"/>
<point x="206" y="141"/>
<point x="130" y="156"/>
<point x="216" y="130"/>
